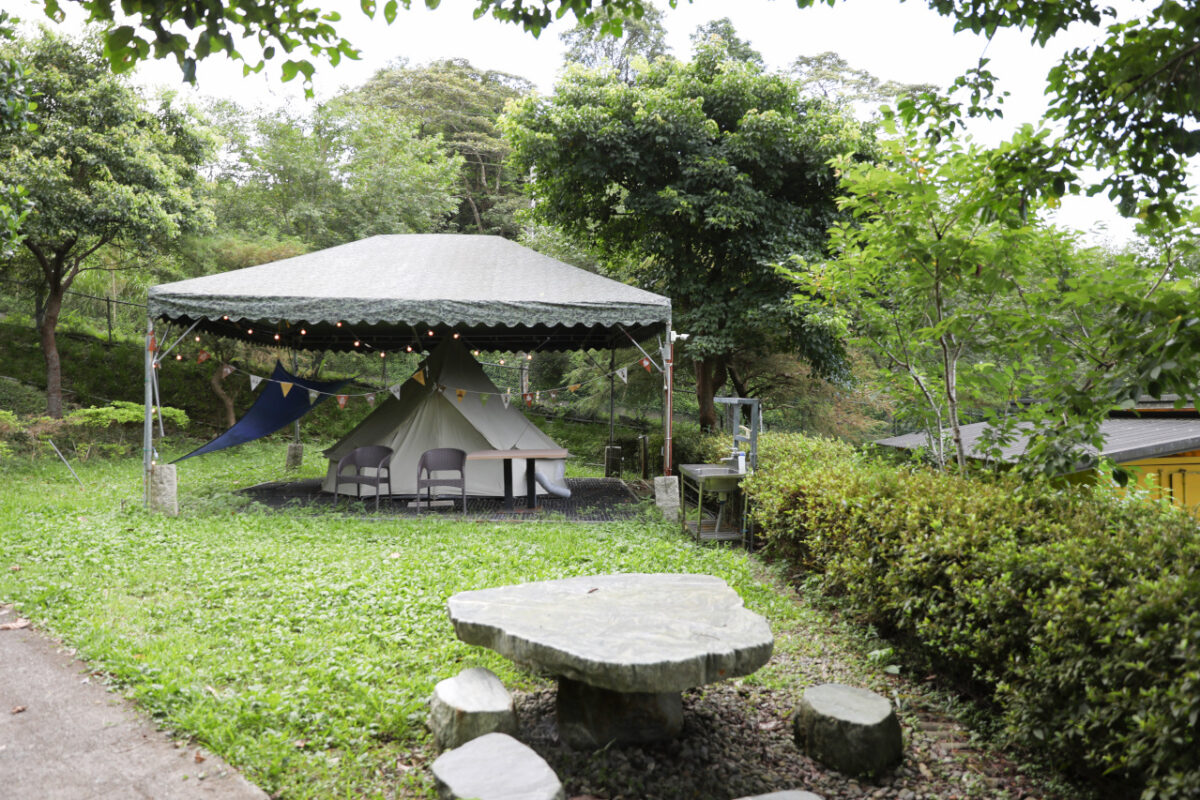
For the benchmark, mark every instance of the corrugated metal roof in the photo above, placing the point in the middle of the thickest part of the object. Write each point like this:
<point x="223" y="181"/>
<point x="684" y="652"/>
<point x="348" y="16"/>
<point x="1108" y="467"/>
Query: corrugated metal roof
<point x="391" y="290"/>
<point x="1125" y="439"/>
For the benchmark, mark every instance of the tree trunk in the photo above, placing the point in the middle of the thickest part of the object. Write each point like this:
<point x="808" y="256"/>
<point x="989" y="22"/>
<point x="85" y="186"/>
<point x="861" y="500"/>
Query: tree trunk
<point x="215" y="381"/>
<point x="710" y="377"/>
<point x="46" y="331"/>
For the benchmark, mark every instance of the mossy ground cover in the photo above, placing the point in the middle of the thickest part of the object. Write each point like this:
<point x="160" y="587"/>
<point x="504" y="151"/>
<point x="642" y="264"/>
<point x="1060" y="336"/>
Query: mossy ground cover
<point x="300" y="645"/>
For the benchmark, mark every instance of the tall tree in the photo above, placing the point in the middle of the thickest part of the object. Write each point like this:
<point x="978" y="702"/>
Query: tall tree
<point x="14" y="115"/>
<point x="933" y="249"/>
<point x="830" y="77"/>
<point x="455" y="101"/>
<point x="339" y="174"/>
<point x="101" y="171"/>
<point x="699" y="176"/>
<point x="735" y="47"/>
<point x="596" y="47"/>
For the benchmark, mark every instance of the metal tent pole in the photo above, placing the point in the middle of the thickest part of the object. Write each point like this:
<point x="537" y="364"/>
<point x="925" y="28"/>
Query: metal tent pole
<point x="148" y="420"/>
<point x="669" y="400"/>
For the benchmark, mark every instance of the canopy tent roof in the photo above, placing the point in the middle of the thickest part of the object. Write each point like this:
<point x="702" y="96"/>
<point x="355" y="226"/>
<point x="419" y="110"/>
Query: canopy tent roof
<point x="388" y="293"/>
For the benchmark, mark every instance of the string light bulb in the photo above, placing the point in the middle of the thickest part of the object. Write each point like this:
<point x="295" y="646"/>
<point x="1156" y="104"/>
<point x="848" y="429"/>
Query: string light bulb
<point x="249" y="331"/>
<point x="178" y="357"/>
<point x="529" y="357"/>
<point x="382" y="354"/>
<point x="197" y="338"/>
<point x="339" y="323"/>
<point x="277" y="337"/>
<point x="226" y="318"/>
<point x="455" y="335"/>
<point x="303" y="332"/>
<point x="357" y="343"/>
<point x="431" y="333"/>
<point x="409" y="348"/>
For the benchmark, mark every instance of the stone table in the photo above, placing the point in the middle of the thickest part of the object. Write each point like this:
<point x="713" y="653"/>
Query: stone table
<point x="623" y="647"/>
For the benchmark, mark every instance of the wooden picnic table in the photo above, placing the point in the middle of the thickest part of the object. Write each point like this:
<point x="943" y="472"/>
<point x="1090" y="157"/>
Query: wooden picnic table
<point x="531" y="456"/>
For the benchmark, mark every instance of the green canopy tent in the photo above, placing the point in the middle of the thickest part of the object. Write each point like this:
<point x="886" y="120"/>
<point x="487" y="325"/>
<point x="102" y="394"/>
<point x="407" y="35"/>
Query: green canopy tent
<point x="394" y="292"/>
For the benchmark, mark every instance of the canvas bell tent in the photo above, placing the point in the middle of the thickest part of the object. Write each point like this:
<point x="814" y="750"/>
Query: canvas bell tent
<point x="452" y="404"/>
<point x="408" y="293"/>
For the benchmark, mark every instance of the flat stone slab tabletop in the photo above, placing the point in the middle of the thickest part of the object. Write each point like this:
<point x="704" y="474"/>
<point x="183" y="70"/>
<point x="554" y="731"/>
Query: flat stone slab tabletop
<point x="622" y="646"/>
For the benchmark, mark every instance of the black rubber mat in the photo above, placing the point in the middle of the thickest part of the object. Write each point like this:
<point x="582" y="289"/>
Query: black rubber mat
<point x="591" y="500"/>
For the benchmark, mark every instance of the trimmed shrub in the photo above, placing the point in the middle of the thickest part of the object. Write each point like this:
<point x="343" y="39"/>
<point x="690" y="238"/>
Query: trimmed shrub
<point x="1075" y="613"/>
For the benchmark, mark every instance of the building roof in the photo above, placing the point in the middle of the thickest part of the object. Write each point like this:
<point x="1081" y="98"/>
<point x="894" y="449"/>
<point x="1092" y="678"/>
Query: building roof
<point x="1125" y="439"/>
<point x="390" y="292"/>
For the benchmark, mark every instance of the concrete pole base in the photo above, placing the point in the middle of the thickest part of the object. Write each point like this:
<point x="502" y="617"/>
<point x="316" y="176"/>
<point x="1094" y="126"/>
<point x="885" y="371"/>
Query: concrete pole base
<point x="164" y="490"/>
<point x="295" y="455"/>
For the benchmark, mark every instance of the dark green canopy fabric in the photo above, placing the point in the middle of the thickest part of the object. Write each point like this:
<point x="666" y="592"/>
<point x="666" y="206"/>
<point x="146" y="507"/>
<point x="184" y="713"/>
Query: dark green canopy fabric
<point x="387" y="293"/>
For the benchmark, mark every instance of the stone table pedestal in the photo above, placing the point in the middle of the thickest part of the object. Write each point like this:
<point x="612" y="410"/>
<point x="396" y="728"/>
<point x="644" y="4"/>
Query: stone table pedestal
<point x="622" y="646"/>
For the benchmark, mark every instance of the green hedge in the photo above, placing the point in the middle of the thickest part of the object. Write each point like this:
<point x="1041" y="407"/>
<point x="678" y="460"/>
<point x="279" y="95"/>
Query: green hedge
<point x="1076" y="613"/>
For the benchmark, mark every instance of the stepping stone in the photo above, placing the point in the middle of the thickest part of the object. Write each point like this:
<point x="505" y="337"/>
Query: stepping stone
<point x="467" y="706"/>
<point x="789" y="794"/>
<point x="495" y="767"/>
<point x="852" y="730"/>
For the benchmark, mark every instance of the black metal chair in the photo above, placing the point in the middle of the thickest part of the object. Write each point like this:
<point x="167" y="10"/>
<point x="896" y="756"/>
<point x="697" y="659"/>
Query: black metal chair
<point x="441" y="459"/>
<point x="370" y="457"/>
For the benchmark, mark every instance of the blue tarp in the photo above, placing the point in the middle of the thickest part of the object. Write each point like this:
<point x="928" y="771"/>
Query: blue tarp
<point x="271" y="411"/>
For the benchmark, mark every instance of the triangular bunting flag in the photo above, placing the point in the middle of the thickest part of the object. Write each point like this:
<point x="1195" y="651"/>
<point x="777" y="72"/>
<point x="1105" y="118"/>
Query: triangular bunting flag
<point x="623" y="374"/>
<point x="528" y="398"/>
<point x="505" y="399"/>
<point x="553" y="395"/>
<point x="574" y="387"/>
<point x="341" y="400"/>
<point x="419" y="376"/>
<point x="646" y="363"/>
<point x="371" y="400"/>
<point x="226" y="370"/>
<point x="460" y="394"/>
<point x="202" y="356"/>
<point x="483" y="398"/>
<point x="395" y="390"/>
<point x="255" y="380"/>
<point x="313" y="394"/>
<point x="285" y="387"/>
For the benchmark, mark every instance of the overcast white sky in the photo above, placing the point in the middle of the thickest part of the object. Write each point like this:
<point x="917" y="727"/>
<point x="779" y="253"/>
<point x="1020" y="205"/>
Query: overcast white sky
<point x="898" y="41"/>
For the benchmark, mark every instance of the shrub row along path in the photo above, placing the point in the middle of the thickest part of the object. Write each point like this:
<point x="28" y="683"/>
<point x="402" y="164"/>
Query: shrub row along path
<point x="63" y="735"/>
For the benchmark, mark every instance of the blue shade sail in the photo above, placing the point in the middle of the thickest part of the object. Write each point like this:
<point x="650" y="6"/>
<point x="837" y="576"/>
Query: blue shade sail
<point x="271" y="411"/>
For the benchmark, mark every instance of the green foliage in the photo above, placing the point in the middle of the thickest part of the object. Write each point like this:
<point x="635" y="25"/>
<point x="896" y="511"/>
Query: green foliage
<point x="121" y="412"/>
<point x="1128" y="104"/>
<point x="101" y="170"/>
<point x="345" y="172"/>
<point x="1074" y="611"/>
<point x="459" y="105"/>
<point x="287" y="27"/>
<point x="694" y="178"/>
<point x="595" y="47"/>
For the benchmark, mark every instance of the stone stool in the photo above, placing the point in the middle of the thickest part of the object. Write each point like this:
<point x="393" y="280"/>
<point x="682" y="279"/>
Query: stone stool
<point x="789" y="794"/>
<point x="467" y="706"/>
<point x="495" y="767"/>
<point x="852" y="730"/>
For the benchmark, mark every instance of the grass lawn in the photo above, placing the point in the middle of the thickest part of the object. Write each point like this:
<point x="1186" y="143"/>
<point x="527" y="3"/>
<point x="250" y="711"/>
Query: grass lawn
<point x="302" y="645"/>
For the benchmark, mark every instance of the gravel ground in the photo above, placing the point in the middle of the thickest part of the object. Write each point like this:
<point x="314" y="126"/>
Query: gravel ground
<point x="737" y="741"/>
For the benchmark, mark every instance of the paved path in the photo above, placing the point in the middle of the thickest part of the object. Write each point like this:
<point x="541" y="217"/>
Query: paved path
<point x="74" y="740"/>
